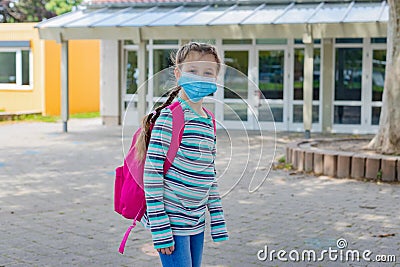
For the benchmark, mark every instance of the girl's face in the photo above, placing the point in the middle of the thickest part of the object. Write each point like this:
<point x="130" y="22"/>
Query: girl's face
<point x="198" y="64"/>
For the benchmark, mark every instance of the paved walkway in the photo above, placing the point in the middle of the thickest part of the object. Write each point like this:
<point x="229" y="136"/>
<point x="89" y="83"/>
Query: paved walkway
<point x="56" y="203"/>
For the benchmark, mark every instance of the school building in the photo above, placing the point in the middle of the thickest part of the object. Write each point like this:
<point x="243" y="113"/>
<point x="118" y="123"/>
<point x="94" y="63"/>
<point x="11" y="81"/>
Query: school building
<point x="30" y="72"/>
<point x="319" y="64"/>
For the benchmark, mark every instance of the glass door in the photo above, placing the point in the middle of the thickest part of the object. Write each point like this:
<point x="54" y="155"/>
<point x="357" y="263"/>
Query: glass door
<point x="377" y="83"/>
<point x="130" y="75"/>
<point x="348" y="88"/>
<point x="236" y="89"/>
<point x="297" y="102"/>
<point x="272" y="84"/>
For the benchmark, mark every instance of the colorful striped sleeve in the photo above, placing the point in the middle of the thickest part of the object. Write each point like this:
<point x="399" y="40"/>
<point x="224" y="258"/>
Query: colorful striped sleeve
<point x="214" y="205"/>
<point x="153" y="180"/>
<point x="218" y="225"/>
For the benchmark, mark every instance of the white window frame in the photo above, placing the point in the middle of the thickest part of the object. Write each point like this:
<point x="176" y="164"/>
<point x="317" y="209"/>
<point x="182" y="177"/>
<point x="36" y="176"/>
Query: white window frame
<point x="249" y="123"/>
<point x="369" y="103"/>
<point x="299" y="126"/>
<point x="351" y="128"/>
<point x="366" y="102"/>
<point x="18" y="70"/>
<point x="284" y="125"/>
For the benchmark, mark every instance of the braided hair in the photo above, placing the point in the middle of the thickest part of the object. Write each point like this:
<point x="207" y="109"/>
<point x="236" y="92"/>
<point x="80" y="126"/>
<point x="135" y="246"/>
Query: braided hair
<point x="144" y="137"/>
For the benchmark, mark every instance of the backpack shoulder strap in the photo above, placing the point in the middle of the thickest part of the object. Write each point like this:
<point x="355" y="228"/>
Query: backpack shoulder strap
<point x="178" y="122"/>
<point x="213" y="119"/>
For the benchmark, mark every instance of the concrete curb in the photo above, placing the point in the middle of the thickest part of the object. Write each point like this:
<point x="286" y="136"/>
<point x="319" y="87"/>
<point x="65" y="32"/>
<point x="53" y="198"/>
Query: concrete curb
<point x="304" y="155"/>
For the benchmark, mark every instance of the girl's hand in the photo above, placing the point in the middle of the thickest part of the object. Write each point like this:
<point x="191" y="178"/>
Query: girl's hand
<point x="167" y="250"/>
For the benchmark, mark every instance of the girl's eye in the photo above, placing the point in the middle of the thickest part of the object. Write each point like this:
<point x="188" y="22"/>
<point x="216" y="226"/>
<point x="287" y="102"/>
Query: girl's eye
<point x="192" y="71"/>
<point x="208" y="73"/>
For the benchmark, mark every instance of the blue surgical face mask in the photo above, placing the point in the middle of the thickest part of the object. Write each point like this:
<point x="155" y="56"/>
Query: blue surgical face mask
<point x="196" y="87"/>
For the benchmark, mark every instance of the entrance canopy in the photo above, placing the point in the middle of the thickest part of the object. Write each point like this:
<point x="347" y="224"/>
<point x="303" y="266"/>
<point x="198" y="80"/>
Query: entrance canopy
<point x="231" y="20"/>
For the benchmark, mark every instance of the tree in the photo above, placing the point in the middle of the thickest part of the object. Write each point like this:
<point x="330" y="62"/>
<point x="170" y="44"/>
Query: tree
<point x="61" y="6"/>
<point x="34" y="10"/>
<point x="387" y="140"/>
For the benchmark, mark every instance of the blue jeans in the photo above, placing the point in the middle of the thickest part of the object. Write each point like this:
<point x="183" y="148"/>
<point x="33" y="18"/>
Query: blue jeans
<point x="188" y="252"/>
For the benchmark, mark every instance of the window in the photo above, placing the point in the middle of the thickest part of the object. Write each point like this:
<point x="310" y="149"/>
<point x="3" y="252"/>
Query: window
<point x="132" y="72"/>
<point x="236" y="41"/>
<point x="15" y="68"/>
<point x="163" y="79"/>
<point x="299" y="73"/>
<point x="348" y="74"/>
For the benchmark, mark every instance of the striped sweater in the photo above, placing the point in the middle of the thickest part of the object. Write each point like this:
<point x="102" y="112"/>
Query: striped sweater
<point x="176" y="203"/>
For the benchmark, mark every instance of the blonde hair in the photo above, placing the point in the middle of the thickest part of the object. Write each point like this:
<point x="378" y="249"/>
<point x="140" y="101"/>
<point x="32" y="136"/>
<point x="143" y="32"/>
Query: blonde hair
<point x="144" y="137"/>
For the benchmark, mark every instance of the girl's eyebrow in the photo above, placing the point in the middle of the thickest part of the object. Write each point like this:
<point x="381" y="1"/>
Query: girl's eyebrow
<point x="210" y="69"/>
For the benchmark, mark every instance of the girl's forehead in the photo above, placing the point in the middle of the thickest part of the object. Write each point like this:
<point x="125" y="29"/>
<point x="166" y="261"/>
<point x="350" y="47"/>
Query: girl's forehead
<point x="192" y="57"/>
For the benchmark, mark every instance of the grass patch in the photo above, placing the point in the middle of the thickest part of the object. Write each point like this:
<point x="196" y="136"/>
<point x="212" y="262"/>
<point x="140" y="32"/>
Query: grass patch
<point x="35" y="117"/>
<point x="282" y="159"/>
<point x="41" y="118"/>
<point x="85" y="115"/>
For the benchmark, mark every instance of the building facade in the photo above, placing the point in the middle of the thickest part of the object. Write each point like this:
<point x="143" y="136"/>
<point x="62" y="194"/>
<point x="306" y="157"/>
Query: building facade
<point x="30" y="72"/>
<point x="320" y="66"/>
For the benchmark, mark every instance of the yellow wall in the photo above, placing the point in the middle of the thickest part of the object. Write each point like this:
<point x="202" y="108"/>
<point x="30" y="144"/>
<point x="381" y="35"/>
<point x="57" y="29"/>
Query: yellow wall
<point x="84" y="76"/>
<point x="44" y="95"/>
<point x="12" y="100"/>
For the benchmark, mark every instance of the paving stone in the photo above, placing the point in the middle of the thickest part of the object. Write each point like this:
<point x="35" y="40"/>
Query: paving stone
<point x="48" y="227"/>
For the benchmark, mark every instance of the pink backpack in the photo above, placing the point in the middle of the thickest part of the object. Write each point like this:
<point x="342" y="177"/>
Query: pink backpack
<point x="129" y="196"/>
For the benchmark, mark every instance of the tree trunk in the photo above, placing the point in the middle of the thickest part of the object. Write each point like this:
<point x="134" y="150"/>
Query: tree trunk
<point x="387" y="140"/>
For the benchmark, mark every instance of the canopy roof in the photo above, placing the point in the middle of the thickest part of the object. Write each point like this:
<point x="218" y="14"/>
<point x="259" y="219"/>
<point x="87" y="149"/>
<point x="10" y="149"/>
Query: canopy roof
<point x="227" y="19"/>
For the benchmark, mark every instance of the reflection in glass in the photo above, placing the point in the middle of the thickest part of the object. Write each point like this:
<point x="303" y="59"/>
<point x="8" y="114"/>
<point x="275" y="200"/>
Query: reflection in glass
<point x="271" y="73"/>
<point x="166" y="80"/>
<point x="25" y="67"/>
<point x="348" y="74"/>
<point x="132" y="73"/>
<point x="128" y="42"/>
<point x="235" y="83"/>
<point x="8" y="67"/>
<point x="378" y="40"/>
<point x="236" y="41"/>
<point x="271" y="41"/>
<point x="298" y="113"/>
<point x="235" y="112"/>
<point x="265" y="114"/>
<point x="375" y="115"/>
<point x="156" y="42"/>
<point x="299" y="73"/>
<point x="349" y="40"/>
<point x="347" y="115"/>
<point x="277" y="112"/>
<point x="378" y="74"/>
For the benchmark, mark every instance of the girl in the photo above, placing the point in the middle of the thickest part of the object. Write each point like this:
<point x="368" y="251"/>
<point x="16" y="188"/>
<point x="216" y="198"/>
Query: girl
<point x="177" y="202"/>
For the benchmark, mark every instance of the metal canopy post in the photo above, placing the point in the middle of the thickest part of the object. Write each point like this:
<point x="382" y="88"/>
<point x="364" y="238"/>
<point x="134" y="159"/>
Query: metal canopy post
<point x="64" y="85"/>
<point x="308" y="83"/>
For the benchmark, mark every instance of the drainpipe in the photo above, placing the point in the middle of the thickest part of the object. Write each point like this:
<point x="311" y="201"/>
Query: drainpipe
<point x="308" y="82"/>
<point x="64" y="85"/>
